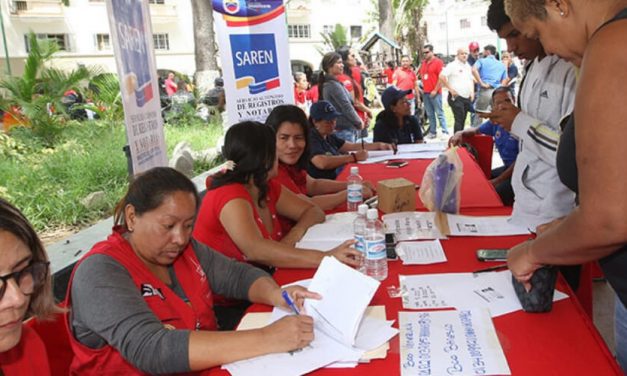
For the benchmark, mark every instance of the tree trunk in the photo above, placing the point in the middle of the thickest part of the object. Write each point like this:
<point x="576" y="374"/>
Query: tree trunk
<point x="386" y="25"/>
<point x="204" y="45"/>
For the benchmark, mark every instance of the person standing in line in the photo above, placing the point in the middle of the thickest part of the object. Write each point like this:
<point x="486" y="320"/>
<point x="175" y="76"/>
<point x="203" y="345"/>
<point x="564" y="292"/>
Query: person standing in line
<point x="352" y="81"/>
<point x="512" y="72"/>
<point x="473" y="53"/>
<point x="457" y="78"/>
<point x="388" y="72"/>
<point x="300" y="91"/>
<point x="489" y="72"/>
<point x="430" y="70"/>
<point x="404" y="78"/>
<point x="331" y="89"/>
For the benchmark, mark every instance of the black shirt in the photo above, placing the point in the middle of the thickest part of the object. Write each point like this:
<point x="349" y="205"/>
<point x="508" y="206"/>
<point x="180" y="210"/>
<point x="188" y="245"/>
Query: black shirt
<point x="386" y="129"/>
<point x="318" y="145"/>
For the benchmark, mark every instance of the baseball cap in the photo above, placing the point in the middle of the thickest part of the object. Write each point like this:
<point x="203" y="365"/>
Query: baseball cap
<point x="473" y="46"/>
<point x="323" y="110"/>
<point x="391" y="95"/>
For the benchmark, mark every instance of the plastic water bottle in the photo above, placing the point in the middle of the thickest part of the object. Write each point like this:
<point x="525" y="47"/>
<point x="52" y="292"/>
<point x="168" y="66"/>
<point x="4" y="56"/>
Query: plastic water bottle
<point x="374" y="239"/>
<point x="354" y="195"/>
<point x="359" y="228"/>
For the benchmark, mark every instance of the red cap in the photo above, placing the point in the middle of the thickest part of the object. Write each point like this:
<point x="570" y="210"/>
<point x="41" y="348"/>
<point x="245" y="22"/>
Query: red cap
<point x="473" y="46"/>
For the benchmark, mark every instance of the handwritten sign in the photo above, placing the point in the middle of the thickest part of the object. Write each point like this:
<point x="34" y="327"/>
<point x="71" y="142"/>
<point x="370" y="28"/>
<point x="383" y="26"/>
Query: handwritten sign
<point x="450" y="343"/>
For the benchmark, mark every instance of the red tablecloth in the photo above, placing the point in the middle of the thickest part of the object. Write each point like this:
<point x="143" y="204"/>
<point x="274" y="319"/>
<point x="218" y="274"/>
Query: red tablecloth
<point x="476" y="191"/>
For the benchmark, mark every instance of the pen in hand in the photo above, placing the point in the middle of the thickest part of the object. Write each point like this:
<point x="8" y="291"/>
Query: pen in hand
<point x="290" y="303"/>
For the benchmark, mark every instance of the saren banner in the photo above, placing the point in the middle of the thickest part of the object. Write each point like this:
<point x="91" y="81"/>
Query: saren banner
<point x="252" y="36"/>
<point x="131" y="34"/>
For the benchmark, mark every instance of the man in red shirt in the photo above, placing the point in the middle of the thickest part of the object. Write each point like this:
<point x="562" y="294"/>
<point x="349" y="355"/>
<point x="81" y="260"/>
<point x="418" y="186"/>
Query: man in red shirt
<point x="432" y="90"/>
<point x="404" y="78"/>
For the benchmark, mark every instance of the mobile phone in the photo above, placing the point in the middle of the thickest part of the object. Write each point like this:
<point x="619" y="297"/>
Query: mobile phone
<point x="390" y="246"/>
<point x="396" y="163"/>
<point x="492" y="254"/>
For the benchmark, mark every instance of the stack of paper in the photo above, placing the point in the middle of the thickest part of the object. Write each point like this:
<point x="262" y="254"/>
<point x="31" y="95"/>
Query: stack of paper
<point x="342" y="334"/>
<point x="407" y="151"/>
<point x="492" y="290"/>
<point x="450" y="343"/>
<point x="336" y="229"/>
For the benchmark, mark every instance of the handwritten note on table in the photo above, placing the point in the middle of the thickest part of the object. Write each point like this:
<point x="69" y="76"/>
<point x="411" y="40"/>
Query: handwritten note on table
<point x="450" y="343"/>
<point x="492" y="290"/>
<point x="421" y="253"/>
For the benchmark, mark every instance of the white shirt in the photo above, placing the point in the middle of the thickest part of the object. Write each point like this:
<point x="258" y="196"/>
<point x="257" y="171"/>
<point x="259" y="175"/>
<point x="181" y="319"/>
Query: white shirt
<point x="459" y="76"/>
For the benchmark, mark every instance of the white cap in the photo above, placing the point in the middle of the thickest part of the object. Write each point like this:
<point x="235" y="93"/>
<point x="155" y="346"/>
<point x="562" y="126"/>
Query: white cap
<point x="362" y="209"/>
<point x="373" y="214"/>
<point x="354" y="170"/>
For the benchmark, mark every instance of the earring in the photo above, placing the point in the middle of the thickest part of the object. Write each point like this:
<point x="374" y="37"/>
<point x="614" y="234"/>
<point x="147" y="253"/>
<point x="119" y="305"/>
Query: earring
<point x="562" y="13"/>
<point x="130" y="229"/>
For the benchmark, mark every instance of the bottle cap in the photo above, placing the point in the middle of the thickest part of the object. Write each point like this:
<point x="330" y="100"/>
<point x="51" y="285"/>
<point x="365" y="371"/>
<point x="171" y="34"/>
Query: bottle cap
<point x="362" y="209"/>
<point x="373" y="214"/>
<point x="354" y="170"/>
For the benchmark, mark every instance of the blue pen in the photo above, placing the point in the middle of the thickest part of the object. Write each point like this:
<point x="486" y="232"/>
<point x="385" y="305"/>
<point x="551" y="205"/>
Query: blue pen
<point x="289" y="302"/>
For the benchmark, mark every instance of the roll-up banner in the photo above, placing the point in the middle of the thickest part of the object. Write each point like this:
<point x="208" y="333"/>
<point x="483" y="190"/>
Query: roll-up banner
<point x="252" y="36"/>
<point x="131" y="35"/>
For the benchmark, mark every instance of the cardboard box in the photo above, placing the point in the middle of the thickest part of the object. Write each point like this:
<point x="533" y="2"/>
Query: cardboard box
<point x="396" y="195"/>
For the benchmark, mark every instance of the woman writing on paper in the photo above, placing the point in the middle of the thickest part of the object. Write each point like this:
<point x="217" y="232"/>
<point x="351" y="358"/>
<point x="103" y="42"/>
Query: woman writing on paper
<point x="329" y="153"/>
<point x="239" y="214"/>
<point x="590" y="34"/>
<point x="142" y="300"/>
<point x="25" y="290"/>
<point x="394" y="124"/>
<point x="292" y="140"/>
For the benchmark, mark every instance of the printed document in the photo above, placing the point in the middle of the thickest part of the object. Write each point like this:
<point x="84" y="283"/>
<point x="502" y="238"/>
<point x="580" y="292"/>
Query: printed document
<point x="460" y="342"/>
<point x="421" y="253"/>
<point x="464" y="225"/>
<point x="412" y="226"/>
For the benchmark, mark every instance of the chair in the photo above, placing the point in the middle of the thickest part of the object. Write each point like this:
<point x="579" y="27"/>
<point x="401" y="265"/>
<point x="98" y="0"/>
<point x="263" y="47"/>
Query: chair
<point x="57" y="342"/>
<point x="484" y="145"/>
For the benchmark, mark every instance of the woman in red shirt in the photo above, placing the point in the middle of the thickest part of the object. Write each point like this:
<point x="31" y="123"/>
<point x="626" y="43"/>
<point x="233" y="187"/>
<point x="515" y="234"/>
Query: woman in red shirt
<point x="25" y="289"/>
<point x="239" y="214"/>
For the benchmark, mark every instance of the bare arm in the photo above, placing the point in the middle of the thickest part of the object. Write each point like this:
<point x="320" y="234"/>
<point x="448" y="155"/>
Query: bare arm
<point x="328" y="162"/>
<point x="350" y="146"/>
<point x="504" y="176"/>
<point x="301" y="211"/>
<point x="596" y="228"/>
<point x="323" y="186"/>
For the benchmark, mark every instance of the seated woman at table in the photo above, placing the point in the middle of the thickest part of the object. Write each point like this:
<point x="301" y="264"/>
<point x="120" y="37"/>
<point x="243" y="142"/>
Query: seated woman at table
<point x="239" y="214"/>
<point x="290" y="126"/>
<point x="142" y="300"/>
<point x="590" y="34"/>
<point x="394" y="124"/>
<point x="25" y="290"/>
<point x="329" y="153"/>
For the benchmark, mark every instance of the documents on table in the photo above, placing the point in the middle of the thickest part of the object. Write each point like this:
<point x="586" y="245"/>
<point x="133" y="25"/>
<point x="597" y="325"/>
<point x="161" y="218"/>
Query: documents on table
<point x="460" y="342"/>
<point x="336" y="229"/>
<point x="492" y="290"/>
<point x="343" y="331"/>
<point x="407" y="151"/>
<point x="423" y="225"/>
<point x="421" y="253"/>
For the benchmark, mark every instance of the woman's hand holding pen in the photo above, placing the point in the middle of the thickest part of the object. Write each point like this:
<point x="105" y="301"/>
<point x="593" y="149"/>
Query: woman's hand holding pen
<point x="290" y="333"/>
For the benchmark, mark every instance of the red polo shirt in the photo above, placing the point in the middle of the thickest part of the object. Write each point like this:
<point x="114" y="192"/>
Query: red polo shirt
<point x="430" y="73"/>
<point x="405" y="80"/>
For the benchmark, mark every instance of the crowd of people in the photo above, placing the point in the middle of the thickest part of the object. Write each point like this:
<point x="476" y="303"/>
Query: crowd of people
<point x="163" y="291"/>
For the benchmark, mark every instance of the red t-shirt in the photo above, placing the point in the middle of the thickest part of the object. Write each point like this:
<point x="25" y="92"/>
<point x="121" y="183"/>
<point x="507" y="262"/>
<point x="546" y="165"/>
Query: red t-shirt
<point x="430" y="74"/>
<point x="389" y="73"/>
<point x="300" y="97"/>
<point x="294" y="179"/>
<point x="312" y="94"/>
<point x="405" y="80"/>
<point x="209" y="230"/>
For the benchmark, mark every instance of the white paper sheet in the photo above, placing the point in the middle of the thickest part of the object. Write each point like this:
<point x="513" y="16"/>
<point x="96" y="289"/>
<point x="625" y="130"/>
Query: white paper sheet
<point x="421" y="253"/>
<point x="491" y="290"/>
<point x="413" y="155"/>
<point x="346" y="294"/>
<point x="421" y="148"/>
<point x="412" y="226"/>
<point x="450" y="343"/>
<point x="463" y="225"/>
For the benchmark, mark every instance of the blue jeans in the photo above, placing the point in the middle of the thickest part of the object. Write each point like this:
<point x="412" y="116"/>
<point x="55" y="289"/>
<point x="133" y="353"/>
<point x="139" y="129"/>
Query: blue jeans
<point x="348" y="135"/>
<point x="620" y="333"/>
<point x="433" y="106"/>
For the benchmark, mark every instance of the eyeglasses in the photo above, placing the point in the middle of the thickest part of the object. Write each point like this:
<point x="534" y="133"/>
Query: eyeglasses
<point x="29" y="279"/>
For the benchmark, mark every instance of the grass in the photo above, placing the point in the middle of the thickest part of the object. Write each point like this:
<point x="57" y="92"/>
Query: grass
<point x="48" y="184"/>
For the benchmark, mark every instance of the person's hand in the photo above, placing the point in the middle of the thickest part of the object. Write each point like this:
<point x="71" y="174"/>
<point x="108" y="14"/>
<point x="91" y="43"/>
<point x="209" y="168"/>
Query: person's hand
<point x="366" y="191"/>
<point x="361" y="155"/>
<point x="298" y="294"/>
<point x="521" y="265"/>
<point x="384" y="146"/>
<point x="456" y="139"/>
<point x="433" y="94"/>
<point x="289" y="333"/>
<point x="453" y="93"/>
<point x="504" y="115"/>
<point x="347" y="254"/>
<point x="546" y="226"/>
<point x="485" y="86"/>
<point x="472" y="97"/>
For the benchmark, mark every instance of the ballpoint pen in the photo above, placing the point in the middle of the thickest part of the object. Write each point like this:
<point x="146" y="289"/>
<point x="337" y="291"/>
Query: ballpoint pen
<point x="289" y="302"/>
<point x="491" y="269"/>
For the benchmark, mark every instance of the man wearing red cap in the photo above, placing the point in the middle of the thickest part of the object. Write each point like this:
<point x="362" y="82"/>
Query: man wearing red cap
<point x="473" y="50"/>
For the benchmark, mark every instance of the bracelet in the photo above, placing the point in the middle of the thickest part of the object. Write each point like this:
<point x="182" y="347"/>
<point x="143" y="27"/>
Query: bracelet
<point x="354" y="157"/>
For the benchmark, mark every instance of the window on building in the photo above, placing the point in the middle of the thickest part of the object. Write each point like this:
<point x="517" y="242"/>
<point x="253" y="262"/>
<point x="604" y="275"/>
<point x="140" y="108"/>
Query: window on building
<point x="102" y="42"/>
<point x="299" y="31"/>
<point x="161" y="41"/>
<point x="464" y="23"/>
<point x="355" y="32"/>
<point x="63" y="40"/>
<point x="328" y="29"/>
<point x="484" y="21"/>
<point x="156" y="1"/>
